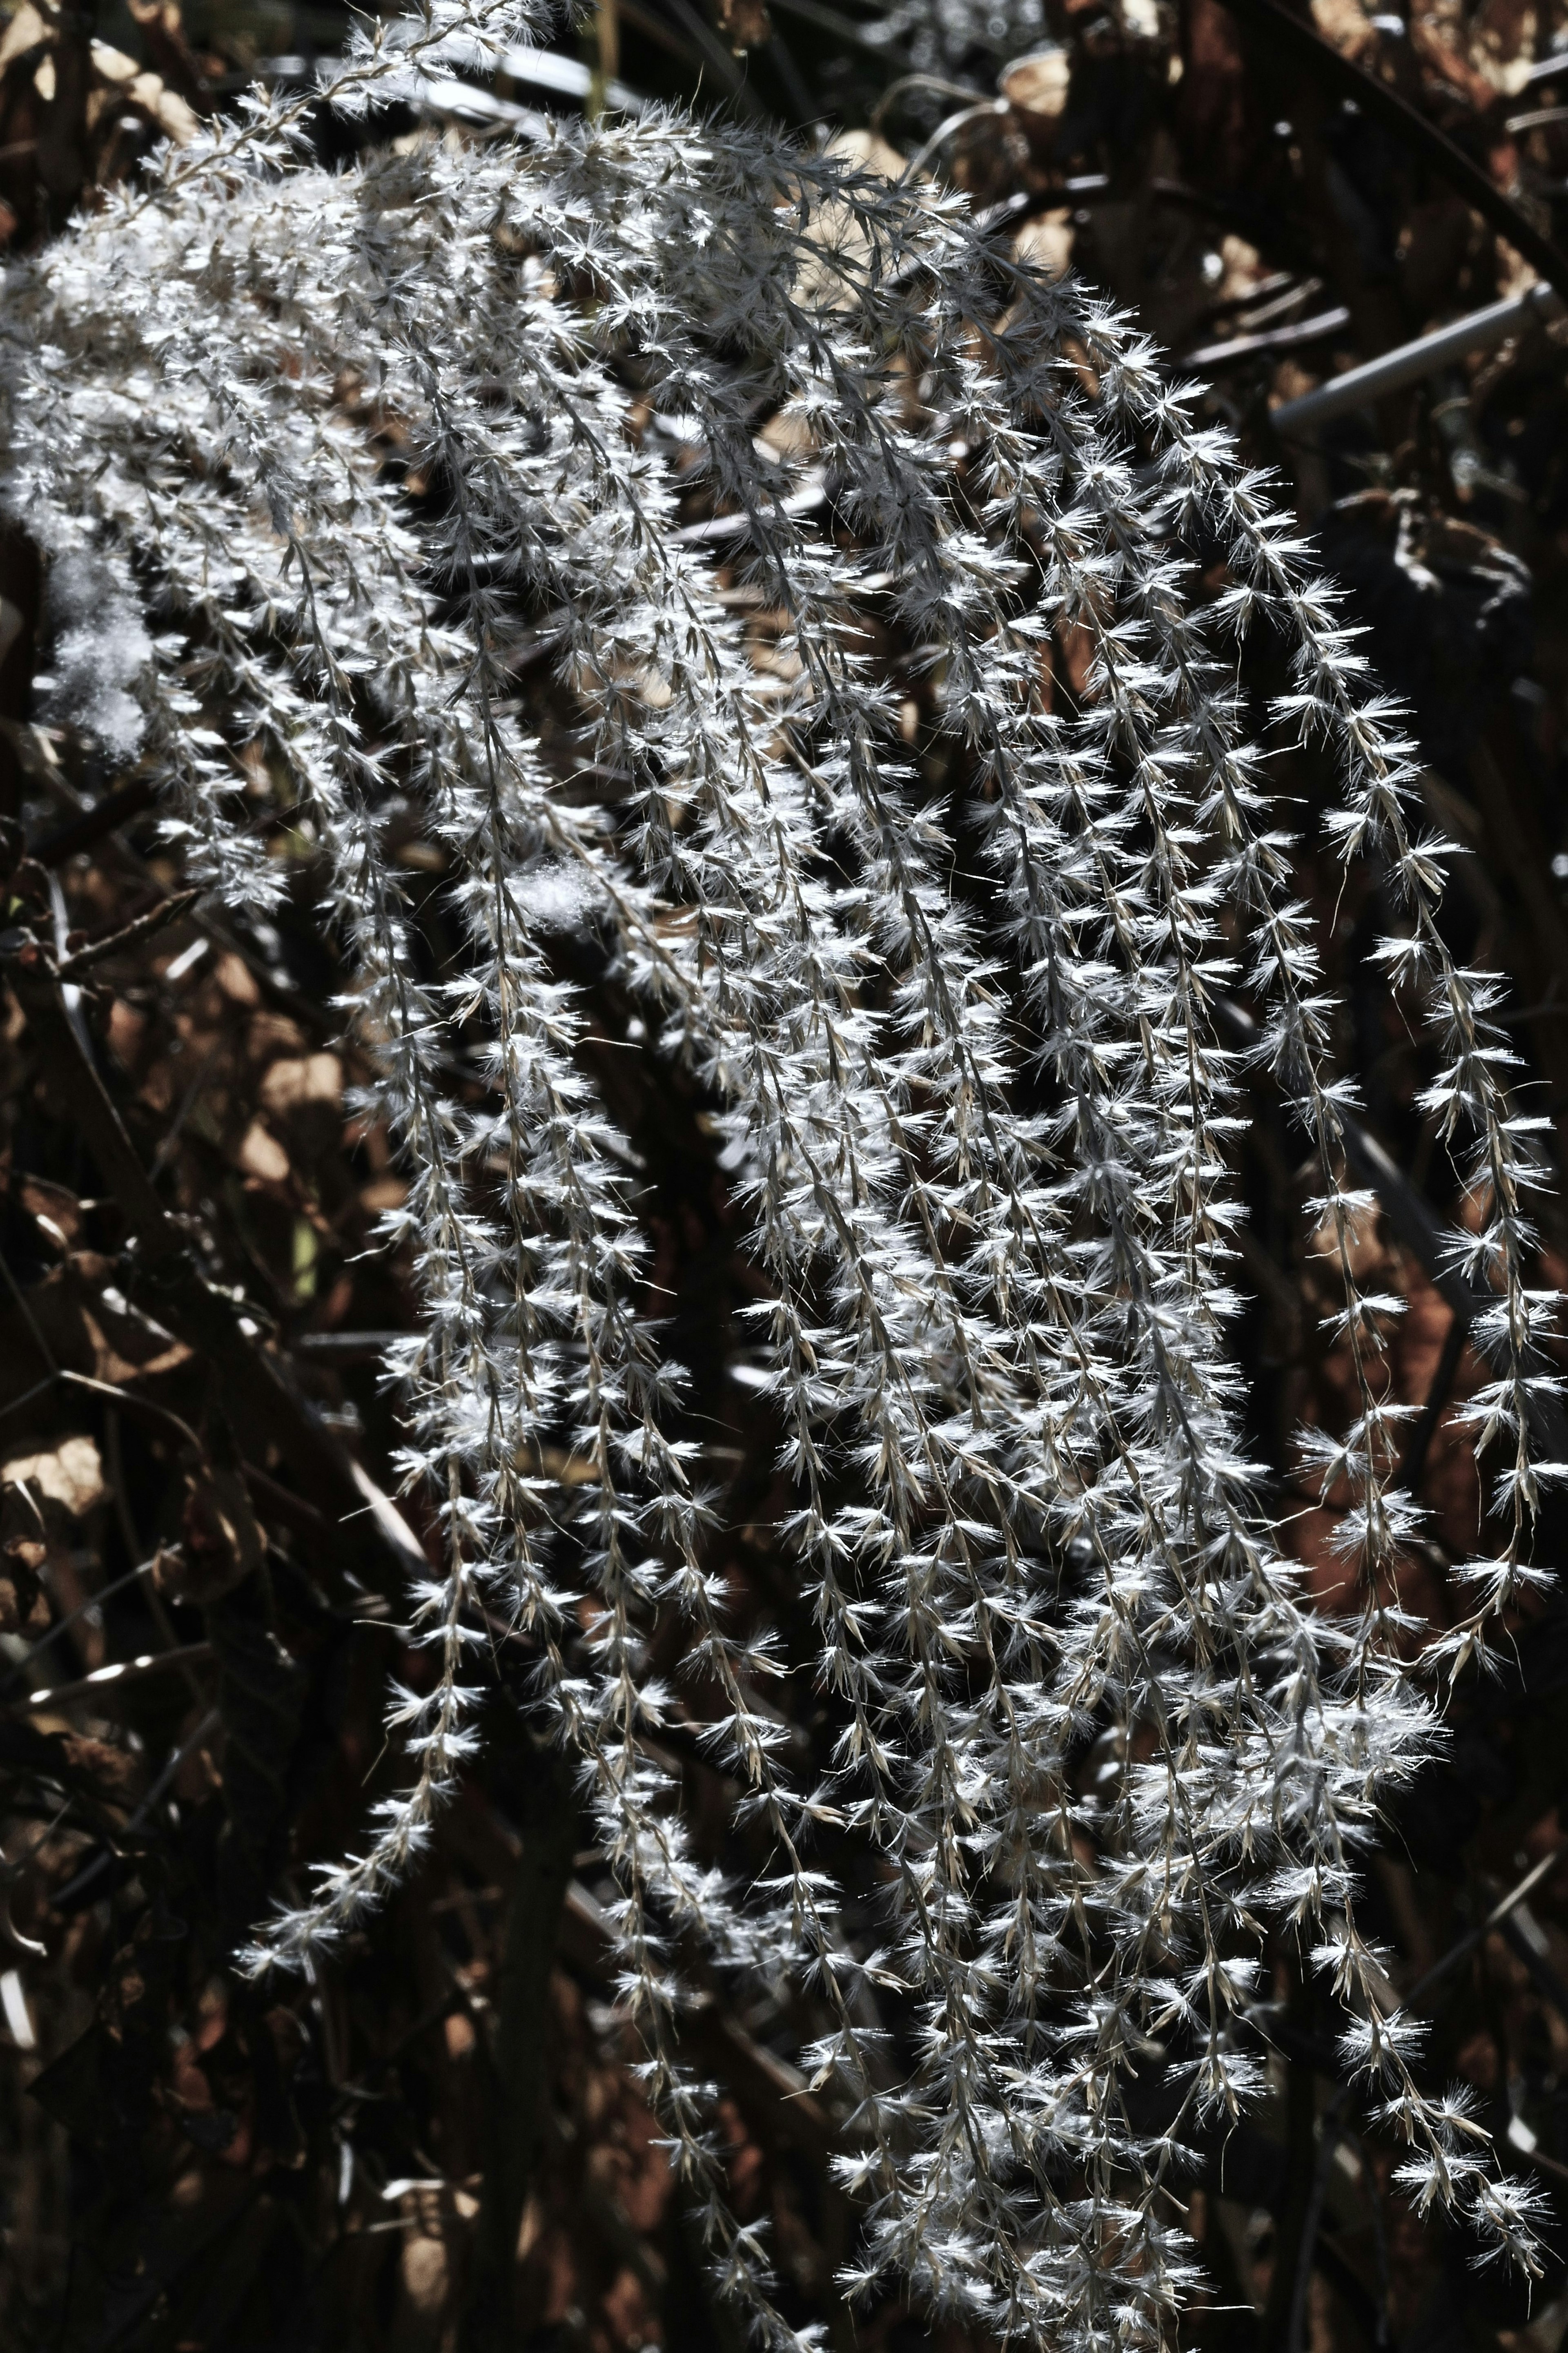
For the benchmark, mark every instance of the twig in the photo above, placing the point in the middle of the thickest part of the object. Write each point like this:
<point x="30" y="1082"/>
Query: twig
<point x="130" y="935"/>
<point x="1295" y="2220"/>
<point x="78" y="1889"/>
<point x="188" y="1748"/>
<point x="1330" y="2132"/>
<point x="59" y="842"/>
<point x="140" y="1409"/>
<point x="125" y="1671"/>
<point x="1522" y="1932"/>
<point x="934" y="82"/>
<point x="92" y="1602"/>
<point x="849" y="35"/>
<point x="1448" y="1366"/>
<point x="1270" y="339"/>
<point x="253" y="1392"/>
<point x="716" y="58"/>
<point x="346" y="1347"/>
<point x="114" y="1464"/>
<point x="1374" y="98"/>
<point x="1408" y="363"/>
<point x="1494" y="1919"/>
<point x="30" y="1320"/>
<point x="976" y="112"/>
<point x="653" y="29"/>
<point x="522" y="2048"/>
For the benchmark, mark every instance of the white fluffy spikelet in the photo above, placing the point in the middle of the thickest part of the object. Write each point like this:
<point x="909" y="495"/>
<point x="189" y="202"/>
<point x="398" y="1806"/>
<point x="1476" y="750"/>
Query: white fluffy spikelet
<point x="982" y="1135"/>
<point x="99" y="648"/>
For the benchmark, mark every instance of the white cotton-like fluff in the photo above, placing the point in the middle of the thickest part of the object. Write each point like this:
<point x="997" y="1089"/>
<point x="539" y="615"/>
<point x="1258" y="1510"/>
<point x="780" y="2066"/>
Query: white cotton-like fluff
<point x="981" y="1141"/>
<point x="100" y="653"/>
<point x="557" y="895"/>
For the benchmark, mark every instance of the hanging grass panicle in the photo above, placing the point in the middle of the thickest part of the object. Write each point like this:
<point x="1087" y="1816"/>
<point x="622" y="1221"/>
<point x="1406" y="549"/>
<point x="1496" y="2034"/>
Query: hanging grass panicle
<point x="980" y="1131"/>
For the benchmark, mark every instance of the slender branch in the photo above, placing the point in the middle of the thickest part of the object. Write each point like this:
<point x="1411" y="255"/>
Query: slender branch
<point x="1309" y="49"/>
<point x="254" y="1395"/>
